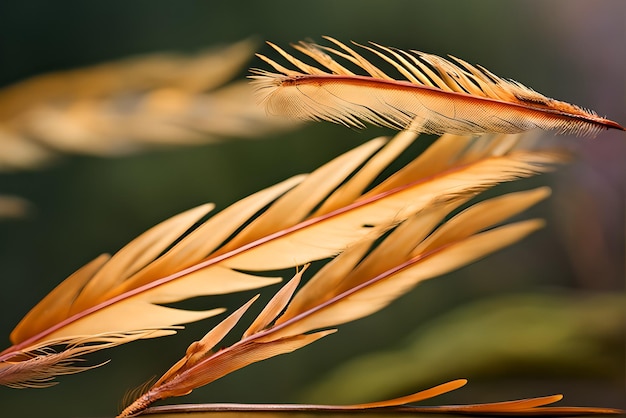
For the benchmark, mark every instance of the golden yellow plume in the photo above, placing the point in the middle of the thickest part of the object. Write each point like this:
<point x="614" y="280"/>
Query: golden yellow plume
<point x="361" y="280"/>
<point x="430" y="94"/>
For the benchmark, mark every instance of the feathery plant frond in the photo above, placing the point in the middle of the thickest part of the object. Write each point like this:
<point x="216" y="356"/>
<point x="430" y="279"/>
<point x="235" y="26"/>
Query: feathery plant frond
<point x="131" y="104"/>
<point x="358" y="282"/>
<point x="430" y="94"/>
<point x="306" y="218"/>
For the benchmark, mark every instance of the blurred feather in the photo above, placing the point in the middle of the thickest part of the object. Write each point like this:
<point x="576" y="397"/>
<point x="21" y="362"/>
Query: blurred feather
<point x="13" y="207"/>
<point x="128" y="105"/>
<point x="570" y="335"/>
<point x="430" y="94"/>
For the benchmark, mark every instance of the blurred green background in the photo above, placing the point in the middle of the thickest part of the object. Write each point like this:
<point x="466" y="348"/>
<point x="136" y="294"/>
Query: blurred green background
<point x="568" y="280"/>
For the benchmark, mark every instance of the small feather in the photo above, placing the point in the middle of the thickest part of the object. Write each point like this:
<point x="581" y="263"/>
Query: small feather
<point x="433" y="95"/>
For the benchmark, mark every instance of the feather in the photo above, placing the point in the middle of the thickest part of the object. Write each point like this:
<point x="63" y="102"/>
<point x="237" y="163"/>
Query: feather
<point x="430" y="94"/>
<point x="345" y="291"/>
<point x="126" y="106"/>
<point x="286" y="225"/>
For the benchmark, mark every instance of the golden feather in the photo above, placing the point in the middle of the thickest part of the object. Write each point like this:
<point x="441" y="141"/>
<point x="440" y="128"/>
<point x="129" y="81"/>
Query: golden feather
<point x="356" y="283"/>
<point x="359" y="282"/>
<point x="430" y="94"/>
<point x="303" y="219"/>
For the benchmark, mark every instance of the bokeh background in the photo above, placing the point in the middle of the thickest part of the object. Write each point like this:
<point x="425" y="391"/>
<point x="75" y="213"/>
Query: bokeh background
<point x="545" y="316"/>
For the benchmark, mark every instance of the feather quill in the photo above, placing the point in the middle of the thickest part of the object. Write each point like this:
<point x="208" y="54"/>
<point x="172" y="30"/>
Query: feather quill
<point x="353" y="285"/>
<point x="397" y="407"/>
<point x="430" y="94"/>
